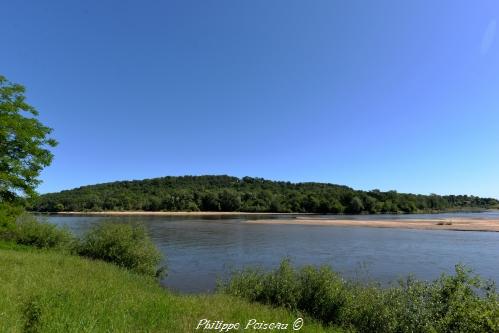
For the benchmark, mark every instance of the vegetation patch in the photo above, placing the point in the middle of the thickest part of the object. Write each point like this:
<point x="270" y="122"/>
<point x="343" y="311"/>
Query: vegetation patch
<point x="48" y="291"/>
<point x="32" y="315"/>
<point x="229" y="194"/>
<point x="453" y="303"/>
<point x="27" y="230"/>
<point x="125" y="245"/>
<point x="128" y="246"/>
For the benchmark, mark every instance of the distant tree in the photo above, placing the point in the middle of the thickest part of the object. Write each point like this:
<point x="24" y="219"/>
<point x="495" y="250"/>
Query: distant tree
<point x="370" y="204"/>
<point x="59" y="207"/>
<point x="191" y="207"/>
<point x="210" y="202"/>
<point x="356" y="206"/>
<point x="311" y="204"/>
<point x="153" y="204"/>
<point x="324" y="206"/>
<point x="24" y="144"/>
<point x="407" y="206"/>
<point x="276" y="206"/>
<point x="229" y="201"/>
<point x="111" y="203"/>
<point x="389" y="207"/>
<point x="336" y="207"/>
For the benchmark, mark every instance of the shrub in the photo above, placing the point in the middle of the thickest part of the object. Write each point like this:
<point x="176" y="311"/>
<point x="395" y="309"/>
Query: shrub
<point x="282" y="286"/>
<point x="410" y="306"/>
<point x="366" y="309"/>
<point x="27" y="230"/>
<point x="458" y="307"/>
<point x="248" y="284"/>
<point x="453" y="303"/>
<point x="279" y="287"/>
<point x="322" y="292"/>
<point x="125" y="245"/>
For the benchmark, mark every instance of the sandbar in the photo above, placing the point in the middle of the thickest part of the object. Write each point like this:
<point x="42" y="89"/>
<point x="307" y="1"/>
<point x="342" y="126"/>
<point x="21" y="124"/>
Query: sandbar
<point x="456" y="224"/>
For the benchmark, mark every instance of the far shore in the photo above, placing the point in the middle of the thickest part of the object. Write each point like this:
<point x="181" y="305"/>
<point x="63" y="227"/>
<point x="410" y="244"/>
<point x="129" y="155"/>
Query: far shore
<point x="146" y="213"/>
<point x="456" y="224"/>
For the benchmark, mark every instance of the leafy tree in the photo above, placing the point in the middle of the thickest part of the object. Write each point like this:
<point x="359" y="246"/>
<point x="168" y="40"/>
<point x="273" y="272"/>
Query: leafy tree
<point x="311" y="204"/>
<point x="59" y="207"/>
<point x="356" y="205"/>
<point x="24" y="144"/>
<point x="370" y="204"/>
<point x="336" y="207"/>
<point x="210" y="202"/>
<point x="229" y="201"/>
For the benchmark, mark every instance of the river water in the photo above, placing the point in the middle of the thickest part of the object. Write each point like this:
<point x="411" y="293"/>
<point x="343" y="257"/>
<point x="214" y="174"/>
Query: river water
<point x="200" y="250"/>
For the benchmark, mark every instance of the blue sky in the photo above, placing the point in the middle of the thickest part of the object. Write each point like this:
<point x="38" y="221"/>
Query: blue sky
<point x="370" y="94"/>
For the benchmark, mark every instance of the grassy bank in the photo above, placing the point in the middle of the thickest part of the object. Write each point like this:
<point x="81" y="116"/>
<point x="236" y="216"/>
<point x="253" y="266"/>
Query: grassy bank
<point x="47" y="291"/>
<point x="107" y="281"/>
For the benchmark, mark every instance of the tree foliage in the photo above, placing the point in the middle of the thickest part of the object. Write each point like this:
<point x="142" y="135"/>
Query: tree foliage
<point x="225" y="193"/>
<point x="24" y="144"/>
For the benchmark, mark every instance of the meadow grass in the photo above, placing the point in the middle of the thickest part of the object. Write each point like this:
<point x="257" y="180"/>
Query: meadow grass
<point x="49" y="291"/>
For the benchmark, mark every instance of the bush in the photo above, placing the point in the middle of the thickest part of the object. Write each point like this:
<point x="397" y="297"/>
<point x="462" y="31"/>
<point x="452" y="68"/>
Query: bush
<point x="457" y="306"/>
<point x="124" y="245"/>
<point x="27" y="230"/>
<point x="367" y="309"/>
<point x="453" y="303"/>
<point x="282" y="287"/>
<point x="278" y="288"/>
<point x="8" y="216"/>
<point x="322" y="292"/>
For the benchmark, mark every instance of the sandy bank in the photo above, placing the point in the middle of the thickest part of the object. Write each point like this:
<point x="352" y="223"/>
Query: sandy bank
<point x="459" y="224"/>
<point x="143" y="213"/>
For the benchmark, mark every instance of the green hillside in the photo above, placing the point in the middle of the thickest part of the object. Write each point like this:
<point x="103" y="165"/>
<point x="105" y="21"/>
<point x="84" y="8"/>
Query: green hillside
<point x="225" y="193"/>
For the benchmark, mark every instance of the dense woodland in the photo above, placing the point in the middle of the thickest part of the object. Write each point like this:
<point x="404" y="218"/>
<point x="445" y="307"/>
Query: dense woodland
<point x="225" y="193"/>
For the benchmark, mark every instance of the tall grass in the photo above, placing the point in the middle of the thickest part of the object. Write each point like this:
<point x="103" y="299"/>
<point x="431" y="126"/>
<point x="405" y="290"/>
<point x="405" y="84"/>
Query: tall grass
<point x="453" y="303"/>
<point x="49" y="291"/>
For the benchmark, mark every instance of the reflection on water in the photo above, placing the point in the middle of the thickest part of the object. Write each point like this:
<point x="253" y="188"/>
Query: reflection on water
<point x="202" y="249"/>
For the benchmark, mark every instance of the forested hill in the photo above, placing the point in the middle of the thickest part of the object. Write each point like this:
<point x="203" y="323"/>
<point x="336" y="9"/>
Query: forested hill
<point x="225" y="193"/>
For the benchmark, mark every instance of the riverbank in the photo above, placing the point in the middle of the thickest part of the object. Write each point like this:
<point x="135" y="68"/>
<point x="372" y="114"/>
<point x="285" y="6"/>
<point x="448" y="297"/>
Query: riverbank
<point x="156" y="213"/>
<point x="48" y="291"/>
<point x="456" y="224"/>
<point x="53" y="290"/>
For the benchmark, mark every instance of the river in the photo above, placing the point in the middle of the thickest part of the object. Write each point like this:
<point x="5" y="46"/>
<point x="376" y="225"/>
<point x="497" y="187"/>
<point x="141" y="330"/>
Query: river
<point x="201" y="249"/>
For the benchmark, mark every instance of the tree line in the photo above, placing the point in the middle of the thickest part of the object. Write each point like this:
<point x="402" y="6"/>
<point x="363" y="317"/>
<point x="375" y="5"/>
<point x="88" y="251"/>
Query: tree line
<point x="247" y="194"/>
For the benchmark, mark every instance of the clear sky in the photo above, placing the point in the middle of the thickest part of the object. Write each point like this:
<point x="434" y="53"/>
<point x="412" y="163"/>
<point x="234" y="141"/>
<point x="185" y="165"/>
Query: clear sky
<point x="397" y="95"/>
